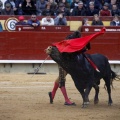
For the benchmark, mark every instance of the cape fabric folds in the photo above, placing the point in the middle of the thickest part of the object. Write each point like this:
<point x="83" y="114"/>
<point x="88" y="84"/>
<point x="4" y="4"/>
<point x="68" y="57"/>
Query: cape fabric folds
<point x="78" y="44"/>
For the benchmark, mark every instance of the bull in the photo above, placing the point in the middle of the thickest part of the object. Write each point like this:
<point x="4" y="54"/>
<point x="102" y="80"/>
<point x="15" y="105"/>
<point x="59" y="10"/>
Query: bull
<point x="83" y="74"/>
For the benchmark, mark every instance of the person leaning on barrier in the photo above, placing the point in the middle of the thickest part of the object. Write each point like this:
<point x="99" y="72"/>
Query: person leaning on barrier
<point x="115" y="21"/>
<point x="60" y="19"/>
<point x="96" y="20"/>
<point x="47" y="20"/>
<point x="1" y="28"/>
<point x="33" y="21"/>
<point x="85" y="22"/>
<point x="21" y="21"/>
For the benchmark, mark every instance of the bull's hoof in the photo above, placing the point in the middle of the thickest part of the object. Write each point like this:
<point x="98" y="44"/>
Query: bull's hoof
<point x="96" y="102"/>
<point x="109" y="104"/>
<point x="50" y="96"/>
<point x="68" y="104"/>
<point x="85" y="104"/>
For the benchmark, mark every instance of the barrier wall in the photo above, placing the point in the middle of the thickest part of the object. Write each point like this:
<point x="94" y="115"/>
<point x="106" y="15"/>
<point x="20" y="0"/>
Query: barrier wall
<point x="27" y="45"/>
<point x="107" y="44"/>
<point x="73" y="22"/>
<point x="31" y="45"/>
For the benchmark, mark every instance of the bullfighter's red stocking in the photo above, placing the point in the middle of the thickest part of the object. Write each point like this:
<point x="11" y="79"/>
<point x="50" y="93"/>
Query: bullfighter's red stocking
<point x="56" y="85"/>
<point x="63" y="89"/>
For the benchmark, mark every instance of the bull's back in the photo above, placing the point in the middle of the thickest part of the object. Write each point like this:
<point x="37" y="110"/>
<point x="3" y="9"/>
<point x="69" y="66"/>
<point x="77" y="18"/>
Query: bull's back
<point x="102" y="63"/>
<point x="99" y="58"/>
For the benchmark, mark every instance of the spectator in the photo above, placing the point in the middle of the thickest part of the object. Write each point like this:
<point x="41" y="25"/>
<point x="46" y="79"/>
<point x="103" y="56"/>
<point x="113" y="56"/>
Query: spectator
<point x="21" y="21"/>
<point x="12" y="2"/>
<point x="112" y="2"/>
<point x="47" y="20"/>
<point x="18" y="4"/>
<point x="85" y="22"/>
<point x="48" y="10"/>
<point x="91" y="11"/>
<point x="28" y="7"/>
<point x="40" y="6"/>
<point x="1" y="28"/>
<point x="115" y="22"/>
<point x="70" y="1"/>
<point x="97" y="4"/>
<point x="115" y="10"/>
<point x="1" y="6"/>
<point x="105" y="11"/>
<point x="62" y="8"/>
<point x="67" y="5"/>
<point x="53" y="5"/>
<point x="8" y="10"/>
<point x="96" y="20"/>
<point x="118" y="3"/>
<point x="108" y="1"/>
<point x="79" y="10"/>
<point x="60" y="19"/>
<point x="33" y="21"/>
<point x="104" y="1"/>
<point x="74" y="4"/>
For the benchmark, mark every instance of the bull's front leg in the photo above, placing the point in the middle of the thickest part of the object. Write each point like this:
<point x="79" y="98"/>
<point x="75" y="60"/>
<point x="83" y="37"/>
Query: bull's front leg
<point x="81" y="90"/>
<point x="87" y="91"/>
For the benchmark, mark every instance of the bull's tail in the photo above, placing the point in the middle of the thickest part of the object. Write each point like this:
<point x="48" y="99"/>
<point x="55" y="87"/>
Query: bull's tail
<point x="114" y="76"/>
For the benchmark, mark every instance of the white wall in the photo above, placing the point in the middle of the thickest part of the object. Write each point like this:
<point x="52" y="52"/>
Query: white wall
<point x="46" y="68"/>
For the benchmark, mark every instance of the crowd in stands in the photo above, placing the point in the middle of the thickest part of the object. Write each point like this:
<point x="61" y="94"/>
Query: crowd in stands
<point x="46" y="21"/>
<point x="59" y="9"/>
<point x="68" y="7"/>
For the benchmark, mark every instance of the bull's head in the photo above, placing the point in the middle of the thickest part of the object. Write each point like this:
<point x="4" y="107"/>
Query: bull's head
<point x="54" y="53"/>
<point x="62" y="58"/>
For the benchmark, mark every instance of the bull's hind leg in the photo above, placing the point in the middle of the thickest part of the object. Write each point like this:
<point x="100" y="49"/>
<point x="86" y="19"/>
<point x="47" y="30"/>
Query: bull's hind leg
<point x="107" y="83"/>
<point x="96" y="99"/>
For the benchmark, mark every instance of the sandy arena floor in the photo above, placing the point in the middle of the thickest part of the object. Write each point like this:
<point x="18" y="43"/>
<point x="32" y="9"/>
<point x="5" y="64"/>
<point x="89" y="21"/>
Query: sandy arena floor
<point x="26" y="98"/>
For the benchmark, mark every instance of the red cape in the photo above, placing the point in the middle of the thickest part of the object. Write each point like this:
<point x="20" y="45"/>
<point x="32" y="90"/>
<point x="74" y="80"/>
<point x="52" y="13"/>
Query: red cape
<point x="78" y="44"/>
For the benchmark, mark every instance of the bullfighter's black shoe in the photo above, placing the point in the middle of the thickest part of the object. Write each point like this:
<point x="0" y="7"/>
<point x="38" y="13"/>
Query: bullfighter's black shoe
<point x="50" y="96"/>
<point x="68" y="104"/>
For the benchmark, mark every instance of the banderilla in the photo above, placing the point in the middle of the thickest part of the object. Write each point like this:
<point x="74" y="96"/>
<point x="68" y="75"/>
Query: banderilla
<point x="36" y="70"/>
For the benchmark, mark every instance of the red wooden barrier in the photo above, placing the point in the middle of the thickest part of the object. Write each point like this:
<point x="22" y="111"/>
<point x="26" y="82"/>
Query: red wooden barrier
<point x="31" y="45"/>
<point x="27" y="45"/>
<point x="107" y="44"/>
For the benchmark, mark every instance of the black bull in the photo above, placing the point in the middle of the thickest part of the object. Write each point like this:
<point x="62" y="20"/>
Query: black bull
<point x="83" y="74"/>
